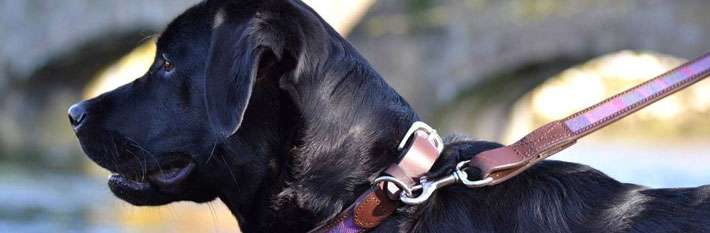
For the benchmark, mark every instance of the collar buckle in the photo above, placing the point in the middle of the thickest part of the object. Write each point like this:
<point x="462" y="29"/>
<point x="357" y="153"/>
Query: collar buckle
<point x="422" y="128"/>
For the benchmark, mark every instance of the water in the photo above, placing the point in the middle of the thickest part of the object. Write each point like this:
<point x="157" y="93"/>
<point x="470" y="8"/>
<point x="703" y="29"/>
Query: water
<point x="46" y="202"/>
<point x="75" y="202"/>
<point x="655" y="166"/>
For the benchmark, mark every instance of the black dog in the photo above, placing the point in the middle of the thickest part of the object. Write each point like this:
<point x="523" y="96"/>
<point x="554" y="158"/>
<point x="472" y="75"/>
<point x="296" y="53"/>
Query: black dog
<point x="265" y="106"/>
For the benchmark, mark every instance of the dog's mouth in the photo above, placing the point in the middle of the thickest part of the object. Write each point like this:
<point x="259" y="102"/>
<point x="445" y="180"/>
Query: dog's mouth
<point x="165" y="176"/>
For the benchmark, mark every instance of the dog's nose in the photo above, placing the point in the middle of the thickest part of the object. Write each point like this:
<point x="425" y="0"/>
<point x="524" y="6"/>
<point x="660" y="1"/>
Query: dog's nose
<point x="77" y="114"/>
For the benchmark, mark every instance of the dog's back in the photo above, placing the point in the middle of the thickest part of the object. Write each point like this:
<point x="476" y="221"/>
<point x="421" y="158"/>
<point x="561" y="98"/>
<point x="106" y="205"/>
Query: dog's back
<point x="556" y="196"/>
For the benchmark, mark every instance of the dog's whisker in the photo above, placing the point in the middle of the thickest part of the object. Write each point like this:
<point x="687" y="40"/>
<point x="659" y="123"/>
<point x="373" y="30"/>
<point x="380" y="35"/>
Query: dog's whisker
<point x="212" y="152"/>
<point x="151" y="36"/>
<point x="114" y="158"/>
<point x="145" y="168"/>
<point x="152" y="157"/>
<point x="159" y="211"/>
<point x="138" y="159"/>
<point x="140" y="163"/>
<point x="231" y="173"/>
<point x="215" y="219"/>
<point x="173" y="218"/>
<point x="137" y="145"/>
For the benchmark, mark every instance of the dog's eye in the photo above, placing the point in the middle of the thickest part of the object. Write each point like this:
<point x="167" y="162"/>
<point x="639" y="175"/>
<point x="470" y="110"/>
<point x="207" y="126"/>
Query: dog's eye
<point x="168" y="66"/>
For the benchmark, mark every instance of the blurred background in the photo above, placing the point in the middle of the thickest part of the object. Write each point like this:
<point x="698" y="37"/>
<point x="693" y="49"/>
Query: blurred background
<point x="492" y="69"/>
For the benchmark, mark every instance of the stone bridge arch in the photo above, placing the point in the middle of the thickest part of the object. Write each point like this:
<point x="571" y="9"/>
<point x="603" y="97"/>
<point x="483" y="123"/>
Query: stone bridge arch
<point x="485" y="54"/>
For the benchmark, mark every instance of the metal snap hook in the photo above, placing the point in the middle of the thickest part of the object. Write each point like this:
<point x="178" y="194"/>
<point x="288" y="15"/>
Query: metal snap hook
<point x="428" y="187"/>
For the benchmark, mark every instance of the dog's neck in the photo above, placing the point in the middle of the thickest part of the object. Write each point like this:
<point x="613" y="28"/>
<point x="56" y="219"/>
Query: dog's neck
<point x="347" y="126"/>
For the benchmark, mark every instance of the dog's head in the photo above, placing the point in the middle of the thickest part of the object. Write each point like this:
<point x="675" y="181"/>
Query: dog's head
<point x="158" y="134"/>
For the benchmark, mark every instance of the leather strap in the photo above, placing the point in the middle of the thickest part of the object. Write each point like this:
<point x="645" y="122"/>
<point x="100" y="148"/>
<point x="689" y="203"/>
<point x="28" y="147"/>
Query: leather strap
<point x="420" y="156"/>
<point x="379" y="202"/>
<point x="367" y="212"/>
<point x="504" y="163"/>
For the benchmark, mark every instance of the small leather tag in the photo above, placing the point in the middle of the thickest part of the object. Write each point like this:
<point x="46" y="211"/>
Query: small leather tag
<point x="374" y="209"/>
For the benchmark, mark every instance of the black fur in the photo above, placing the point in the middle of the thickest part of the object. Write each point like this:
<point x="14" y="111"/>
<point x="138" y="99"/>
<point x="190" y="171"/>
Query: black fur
<point x="287" y="124"/>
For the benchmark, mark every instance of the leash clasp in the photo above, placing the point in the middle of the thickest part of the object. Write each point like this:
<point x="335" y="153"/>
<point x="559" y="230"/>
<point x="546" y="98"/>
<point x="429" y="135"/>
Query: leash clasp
<point x="428" y="187"/>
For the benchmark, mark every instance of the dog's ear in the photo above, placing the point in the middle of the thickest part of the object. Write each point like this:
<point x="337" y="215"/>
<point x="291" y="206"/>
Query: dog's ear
<point x="240" y="46"/>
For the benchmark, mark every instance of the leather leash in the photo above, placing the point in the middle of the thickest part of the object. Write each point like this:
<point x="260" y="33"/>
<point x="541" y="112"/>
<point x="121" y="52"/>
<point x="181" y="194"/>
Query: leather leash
<point x="504" y="163"/>
<point x="498" y="165"/>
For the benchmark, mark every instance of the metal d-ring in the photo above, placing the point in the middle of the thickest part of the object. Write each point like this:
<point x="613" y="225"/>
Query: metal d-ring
<point x="401" y="185"/>
<point x="432" y="135"/>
